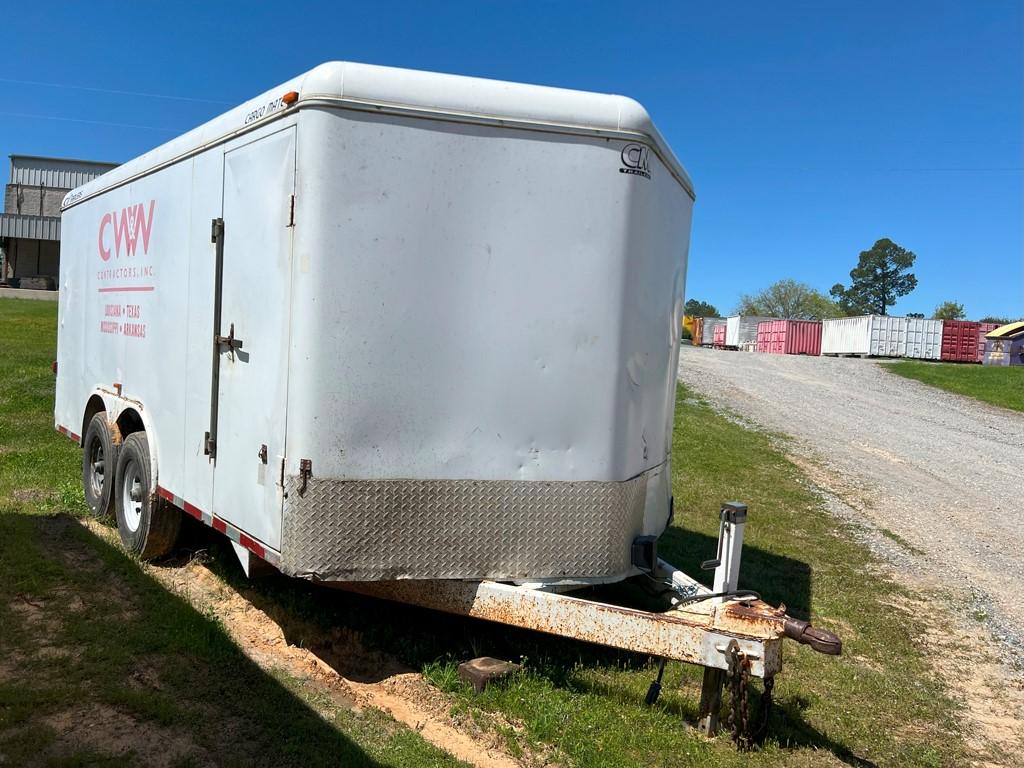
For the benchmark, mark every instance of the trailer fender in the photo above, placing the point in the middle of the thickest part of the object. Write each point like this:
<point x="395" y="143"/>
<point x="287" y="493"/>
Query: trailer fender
<point x="126" y="415"/>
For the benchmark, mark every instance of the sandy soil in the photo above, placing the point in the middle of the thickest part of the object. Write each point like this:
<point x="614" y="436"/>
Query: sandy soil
<point x="337" y="664"/>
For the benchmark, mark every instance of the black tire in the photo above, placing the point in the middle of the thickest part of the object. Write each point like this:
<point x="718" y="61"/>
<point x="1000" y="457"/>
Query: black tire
<point x="148" y="524"/>
<point x="99" y="464"/>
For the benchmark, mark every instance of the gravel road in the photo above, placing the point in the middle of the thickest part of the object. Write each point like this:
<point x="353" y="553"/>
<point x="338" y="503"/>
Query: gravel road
<point x="943" y="472"/>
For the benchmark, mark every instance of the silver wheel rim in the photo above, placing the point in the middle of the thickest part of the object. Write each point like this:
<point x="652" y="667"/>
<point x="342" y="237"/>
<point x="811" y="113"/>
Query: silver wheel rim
<point x="131" y="496"/>
<point x="97" y="465"/>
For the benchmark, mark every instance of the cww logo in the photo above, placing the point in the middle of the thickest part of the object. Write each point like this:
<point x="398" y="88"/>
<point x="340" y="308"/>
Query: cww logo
<point x="125" y="228"/>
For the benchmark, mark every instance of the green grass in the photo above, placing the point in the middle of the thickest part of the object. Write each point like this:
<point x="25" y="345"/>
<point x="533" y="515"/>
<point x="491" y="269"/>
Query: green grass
<point x="997" y="385"/>
<point x="878" y="704"/>
<point x="89" y="641"/>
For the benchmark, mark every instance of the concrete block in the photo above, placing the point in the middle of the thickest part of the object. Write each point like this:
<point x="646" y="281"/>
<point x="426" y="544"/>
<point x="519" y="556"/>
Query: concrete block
<point x="479" y="672"/>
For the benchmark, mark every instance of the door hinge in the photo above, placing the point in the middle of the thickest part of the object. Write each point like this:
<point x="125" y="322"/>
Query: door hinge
<point x="262" y="454"/>
<point x="305" y="472"/>
<point x="216" y="230"/>
<point x="291" y="211"/>
<point x="209" y="446"/>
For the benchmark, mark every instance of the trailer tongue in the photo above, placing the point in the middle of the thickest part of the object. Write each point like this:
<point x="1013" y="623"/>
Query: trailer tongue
<point x="732" y="633"/>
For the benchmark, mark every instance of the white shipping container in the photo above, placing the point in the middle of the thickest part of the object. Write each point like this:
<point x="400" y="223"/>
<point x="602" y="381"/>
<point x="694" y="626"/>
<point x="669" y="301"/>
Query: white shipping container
<point x="351" y="324"/>
<point x="924" y="339"/>
<point x="741" y="330"/>
<point x="872" y="335"/>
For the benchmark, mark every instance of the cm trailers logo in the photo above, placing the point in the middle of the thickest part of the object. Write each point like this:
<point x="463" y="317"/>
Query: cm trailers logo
<point x="126" y="228"/>
<point x="636" y="160"/>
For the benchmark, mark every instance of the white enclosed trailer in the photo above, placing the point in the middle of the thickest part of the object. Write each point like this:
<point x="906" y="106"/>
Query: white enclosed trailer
<point x="379" y="325"/>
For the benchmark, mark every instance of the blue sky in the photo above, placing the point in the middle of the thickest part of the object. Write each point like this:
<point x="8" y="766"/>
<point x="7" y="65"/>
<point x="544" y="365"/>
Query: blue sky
<point x="810" y="129"/>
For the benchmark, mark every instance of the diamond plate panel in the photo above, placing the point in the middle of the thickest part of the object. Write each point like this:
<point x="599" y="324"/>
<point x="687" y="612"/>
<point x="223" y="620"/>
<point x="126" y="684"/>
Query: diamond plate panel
<point x="367" y="530"/>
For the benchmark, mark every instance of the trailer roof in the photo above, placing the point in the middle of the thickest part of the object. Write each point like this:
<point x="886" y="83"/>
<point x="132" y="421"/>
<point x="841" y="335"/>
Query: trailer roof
<point x="411" y="92"/>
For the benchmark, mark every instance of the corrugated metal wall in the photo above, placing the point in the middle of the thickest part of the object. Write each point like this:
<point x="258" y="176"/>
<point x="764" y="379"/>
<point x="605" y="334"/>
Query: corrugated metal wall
<point x="789" y="337"/>
<point x="924" y="339"/>
<point x="30" y="227"/>
<point x="54" y="172"/>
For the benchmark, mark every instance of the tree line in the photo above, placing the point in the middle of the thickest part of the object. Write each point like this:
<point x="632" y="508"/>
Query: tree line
<point x="882" y="275"/>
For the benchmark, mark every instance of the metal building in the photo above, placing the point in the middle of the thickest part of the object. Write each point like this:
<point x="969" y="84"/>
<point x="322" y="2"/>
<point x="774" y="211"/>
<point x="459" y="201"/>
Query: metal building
<point x="30" y="221"/>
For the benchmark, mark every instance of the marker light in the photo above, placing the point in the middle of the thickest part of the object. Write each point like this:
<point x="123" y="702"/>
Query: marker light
<point x="291" y="97"/>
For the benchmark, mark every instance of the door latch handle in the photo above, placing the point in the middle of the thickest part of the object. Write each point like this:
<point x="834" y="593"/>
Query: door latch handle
<point x="229" y="341"/>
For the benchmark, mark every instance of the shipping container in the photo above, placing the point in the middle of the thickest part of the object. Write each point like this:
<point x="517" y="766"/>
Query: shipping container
<point x="719" y="333"/>
<point x="1005" y="345"/>
<point x="789" y="337"/>
<point x="741" y="330"/>
<point x="868" y="336"/>
<point x="960" y="341"/>
<point x="924" y="339"/>
<point x="983" y="329"/>
<point x="707" y="335"/>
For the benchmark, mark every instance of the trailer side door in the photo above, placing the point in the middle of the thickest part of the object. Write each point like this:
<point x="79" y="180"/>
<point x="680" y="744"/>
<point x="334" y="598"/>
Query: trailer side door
<point x="252" y="354"/>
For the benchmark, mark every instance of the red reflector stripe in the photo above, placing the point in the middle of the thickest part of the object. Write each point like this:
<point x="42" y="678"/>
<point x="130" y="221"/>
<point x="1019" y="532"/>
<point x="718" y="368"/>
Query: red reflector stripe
<point x="251" y="545"/>
<point x="69" y="434"/>
<point x="221" y="526"/>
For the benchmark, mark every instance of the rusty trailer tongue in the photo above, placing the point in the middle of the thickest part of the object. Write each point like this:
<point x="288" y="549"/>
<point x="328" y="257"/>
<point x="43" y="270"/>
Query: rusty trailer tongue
<point x="732" y="633"/>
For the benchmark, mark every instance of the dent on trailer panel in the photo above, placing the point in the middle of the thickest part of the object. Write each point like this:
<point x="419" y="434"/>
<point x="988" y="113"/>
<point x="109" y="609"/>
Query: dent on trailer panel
<point x="656" y="246"/>
<point x="459" y="305"/>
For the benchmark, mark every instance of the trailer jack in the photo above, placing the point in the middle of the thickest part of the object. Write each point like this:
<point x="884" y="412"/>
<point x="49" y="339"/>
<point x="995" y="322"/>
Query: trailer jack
<point x="728" y="632"/>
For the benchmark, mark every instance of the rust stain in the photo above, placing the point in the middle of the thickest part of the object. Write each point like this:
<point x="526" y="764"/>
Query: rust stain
<point x="115" y="432"/>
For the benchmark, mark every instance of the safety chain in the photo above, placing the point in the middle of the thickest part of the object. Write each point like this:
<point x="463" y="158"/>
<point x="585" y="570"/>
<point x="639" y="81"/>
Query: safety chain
<point x="739" y="710"/>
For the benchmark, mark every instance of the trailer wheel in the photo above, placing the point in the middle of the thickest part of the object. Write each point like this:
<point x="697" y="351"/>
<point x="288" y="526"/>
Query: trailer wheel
<point x="99" y="463"/>
<point x="148" y="525"/>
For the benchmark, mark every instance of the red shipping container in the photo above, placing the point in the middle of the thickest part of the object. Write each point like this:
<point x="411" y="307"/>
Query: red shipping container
<point x="789" y="337"/>
<point x="983" y="328"/>
<point x="960" y="341"/>
<point x="719" y="335"/>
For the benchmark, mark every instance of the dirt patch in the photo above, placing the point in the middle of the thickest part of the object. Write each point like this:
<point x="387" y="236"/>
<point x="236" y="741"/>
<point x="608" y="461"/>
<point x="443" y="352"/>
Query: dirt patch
<point x="340" y="663"/>
<point x="37" y="613"/>
<point x="337" y="662"/>
<point x="28" y="495"/>
<point x="113" y="733"/>
<point x="993" y="696"/>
